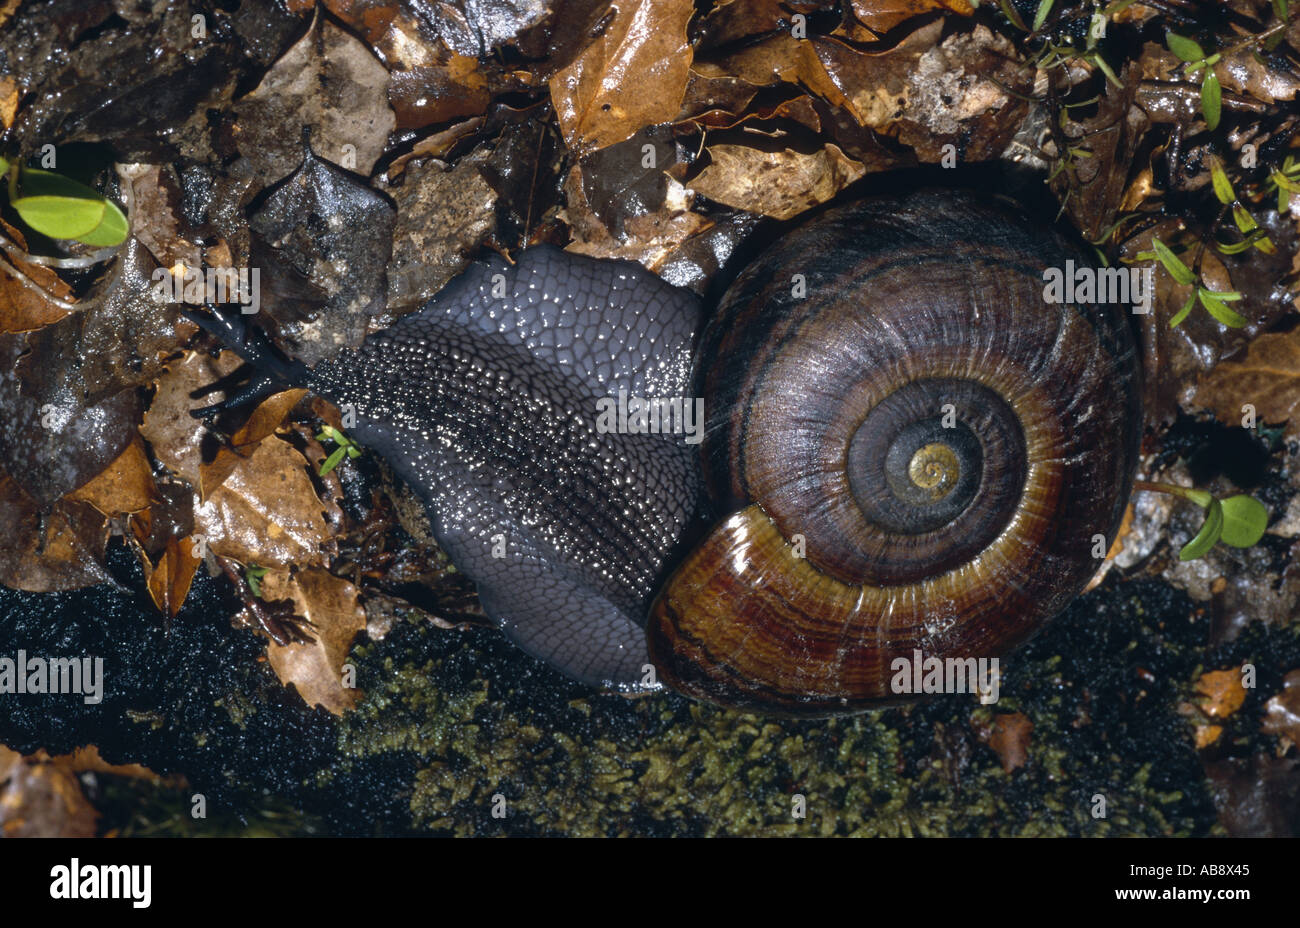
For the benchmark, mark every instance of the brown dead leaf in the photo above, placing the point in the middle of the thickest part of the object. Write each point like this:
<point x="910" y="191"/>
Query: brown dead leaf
<point x="125" y="486"/>
<point x="23" y="306"/>
<point x="9" y="93"/>
<point x="316" y="668"/>
<point x="41" y="799"/>
<point x="171" y="431"/>
<point x="1223" y="692"/>
<point x="1009" y="739"/>
<point x="779" y="59"/>
<point x="169" y="580"/>
<point x="781" y="184"/>
<point x="266" y="418"/>
<point x="267" y="511"/>
<point x="438" y="92"/>
<point x="1267" y="378"/>
<point x="634" y="75"/>
<point x="330" y="81"/>
<point x="882" y="15"/>
<point x="68" y="556"/>
<point x="87" y="758"/>
<point x="966" y="90"/>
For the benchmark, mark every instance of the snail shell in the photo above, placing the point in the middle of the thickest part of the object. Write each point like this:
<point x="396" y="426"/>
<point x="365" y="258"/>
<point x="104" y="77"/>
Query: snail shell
<point x="918" y="454"/>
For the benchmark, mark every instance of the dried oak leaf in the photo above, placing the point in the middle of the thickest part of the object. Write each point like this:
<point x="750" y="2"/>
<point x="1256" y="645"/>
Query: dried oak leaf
<point x="329" y="81"/>
<point x="1267" y="378"/>
<point x="633" y="75"/>
<point x="1009" y="739"/>
<point x="42" y="799"/>
<point x="781" y="184"/>
<point x="315" y="668"/>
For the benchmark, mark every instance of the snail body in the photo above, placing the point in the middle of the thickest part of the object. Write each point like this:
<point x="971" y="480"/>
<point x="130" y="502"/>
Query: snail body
<point x="906" y="449"/>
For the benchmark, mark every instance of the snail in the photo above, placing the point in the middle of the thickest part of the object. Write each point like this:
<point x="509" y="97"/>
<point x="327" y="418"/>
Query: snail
<point x="905" y="448"/>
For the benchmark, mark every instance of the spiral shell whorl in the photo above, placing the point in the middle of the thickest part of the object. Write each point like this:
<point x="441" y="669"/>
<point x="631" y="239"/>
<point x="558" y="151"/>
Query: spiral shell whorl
<point x="946" y="443"/>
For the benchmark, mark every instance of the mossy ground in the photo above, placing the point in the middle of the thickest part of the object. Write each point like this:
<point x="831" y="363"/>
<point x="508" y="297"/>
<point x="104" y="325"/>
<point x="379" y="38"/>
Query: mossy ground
<point x="455" y="726"/>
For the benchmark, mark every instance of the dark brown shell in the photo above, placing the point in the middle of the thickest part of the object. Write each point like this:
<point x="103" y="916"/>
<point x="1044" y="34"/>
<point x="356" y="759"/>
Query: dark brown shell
<point x="913" y="305"/>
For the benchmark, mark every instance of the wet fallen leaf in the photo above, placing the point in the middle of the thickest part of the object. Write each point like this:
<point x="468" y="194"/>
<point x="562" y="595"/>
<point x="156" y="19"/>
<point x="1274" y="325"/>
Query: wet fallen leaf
<point x="443" y="215"/>
<point x="336" y="232"/>
<point x="329" y="81"/>
<point x="267" y="511"/>
<point x="168" y="581"/>
<point x="882" y="15"/>
<point x="266" y="418"/>
<point x="1267" y="378"/>
<point x="61" y="550"/>
<point x="634" y="75"/>
<point x="175" y="436"/>
<point x="316" y="668"/>
<point x="781" y="184"/>
<point x="23" y="302"/>
<point x="125" y="486"/>
<point x="438" y="92"/>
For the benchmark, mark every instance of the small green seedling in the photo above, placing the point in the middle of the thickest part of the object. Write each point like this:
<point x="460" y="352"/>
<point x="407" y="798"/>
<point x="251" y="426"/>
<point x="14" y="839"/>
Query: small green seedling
<point x="1253" y="235"/>
<point x="1286" y="181"/>
<point x="60" y="208"/>
<point x="1238" y="521"/>
<point x="345" y="446"/>
<point x="1194" y="59"/>
<point x="254" y="574"/>
<point x="1215" y="301"/>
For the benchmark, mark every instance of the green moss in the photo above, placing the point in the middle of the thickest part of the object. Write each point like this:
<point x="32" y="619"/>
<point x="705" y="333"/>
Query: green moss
<point x="482" y="721"/>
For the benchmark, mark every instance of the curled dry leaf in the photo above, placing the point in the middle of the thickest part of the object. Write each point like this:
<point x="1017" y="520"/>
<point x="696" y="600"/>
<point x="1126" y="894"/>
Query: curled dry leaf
<point x="1266" y="379"/>
<point x="169" y="580"/>
<point x="633" y="75"/>
<point x="781" y="184"/>
<point x="315" y="668"/>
